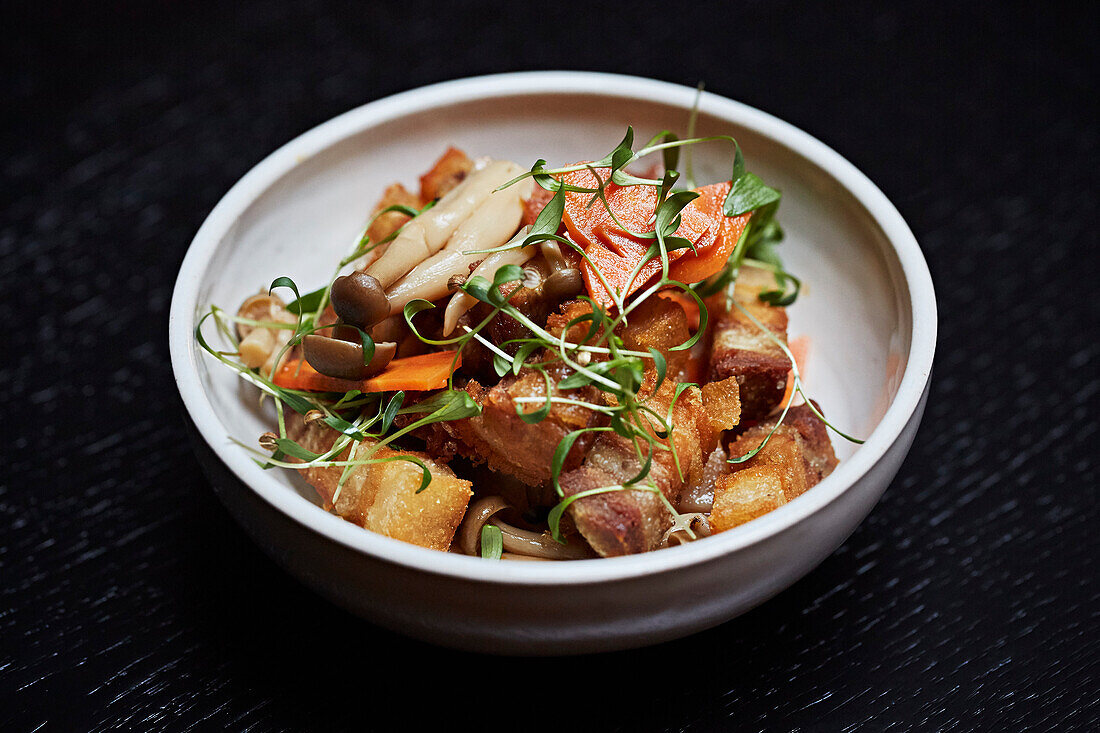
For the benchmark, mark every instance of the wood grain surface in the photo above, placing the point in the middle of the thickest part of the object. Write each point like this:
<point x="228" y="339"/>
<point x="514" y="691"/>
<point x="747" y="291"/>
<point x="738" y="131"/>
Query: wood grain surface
<point x="966" y="601"/>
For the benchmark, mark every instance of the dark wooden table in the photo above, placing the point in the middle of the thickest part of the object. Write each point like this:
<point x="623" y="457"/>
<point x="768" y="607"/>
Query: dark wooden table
<point x="966" y="601"/>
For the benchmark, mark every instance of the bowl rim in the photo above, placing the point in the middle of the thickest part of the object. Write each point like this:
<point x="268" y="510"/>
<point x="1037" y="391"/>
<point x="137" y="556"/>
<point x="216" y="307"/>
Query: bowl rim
<point x="184" y="307"/>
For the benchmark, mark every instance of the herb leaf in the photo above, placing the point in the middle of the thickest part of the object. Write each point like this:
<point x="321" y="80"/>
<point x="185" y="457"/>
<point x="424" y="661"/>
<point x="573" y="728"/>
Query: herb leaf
<point x="306" y="303"/>
<point x="284" y="282"/>
<point x="557" y="461"/>
<point x="660" y="365"/>
<point x="390" y="413"/>
<point x="548" y="220"/>
<point x="492" y="542"/>
<point x="291" y="448"/>
<point x="748" y="193"/>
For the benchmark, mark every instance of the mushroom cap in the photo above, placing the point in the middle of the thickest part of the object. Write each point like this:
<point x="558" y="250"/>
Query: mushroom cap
<point x="344" y="359"/>
<point x="359" y="299"/>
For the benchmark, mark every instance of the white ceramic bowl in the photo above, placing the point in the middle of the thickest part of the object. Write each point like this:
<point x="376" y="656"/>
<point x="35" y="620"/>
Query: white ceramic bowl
<point x="868" y="304"/>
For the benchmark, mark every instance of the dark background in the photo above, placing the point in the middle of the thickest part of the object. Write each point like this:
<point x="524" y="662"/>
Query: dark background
<point x="967" y="599"/>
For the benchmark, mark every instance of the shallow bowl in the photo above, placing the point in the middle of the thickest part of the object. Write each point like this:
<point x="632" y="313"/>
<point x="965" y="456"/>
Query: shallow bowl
<point x="868" y="306"/>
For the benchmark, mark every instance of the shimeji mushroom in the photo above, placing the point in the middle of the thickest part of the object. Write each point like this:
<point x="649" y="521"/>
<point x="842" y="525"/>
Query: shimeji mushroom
<point x="462" y="302"/>
<point x="488" y="227"/>
<point x="426" y="234"/>
<point x="344" y="359"/>
<point x="260" y="344"/>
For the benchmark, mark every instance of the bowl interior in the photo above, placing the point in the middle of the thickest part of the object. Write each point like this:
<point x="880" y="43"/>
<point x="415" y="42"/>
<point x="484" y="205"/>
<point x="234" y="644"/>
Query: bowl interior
<point x="855" y="302"/>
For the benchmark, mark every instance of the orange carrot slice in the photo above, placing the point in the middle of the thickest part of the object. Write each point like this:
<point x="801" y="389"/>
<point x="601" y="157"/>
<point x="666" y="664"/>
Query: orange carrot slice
<point x="413" y="374"/>
<point x="691" y="267"/>
<point x="615" y="251"/>
<point x="416" y="373"/>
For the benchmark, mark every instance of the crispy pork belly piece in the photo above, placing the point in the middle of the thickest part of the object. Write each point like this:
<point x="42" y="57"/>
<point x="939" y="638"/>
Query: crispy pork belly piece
<point x="656" y="323"/>
<point x="740" y="349"/>
<point x="659" y="324"/>
<point x="722" y="403"/>
<point x="795" y="459"/>
<point x="382" y="497"/>
<point x="628" y="522"/>
<point x="449" y="171"/>
<point x="816" y="446"/>
<point x="631" y="521"/>
<point x="501" y="439"/>
<point x="617" y="522"/>
<point x="387" y="224"/>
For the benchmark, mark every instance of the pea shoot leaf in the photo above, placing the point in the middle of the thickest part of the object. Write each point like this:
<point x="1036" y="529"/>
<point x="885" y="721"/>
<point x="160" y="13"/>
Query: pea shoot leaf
<point x="392" y="408"/>
<point x="291" y="448"/>
<point x="748" y="193"/>
<point x="549" y="219"/>
<point x="284" y="282"/>
<point x="492" y="542"/>
<point x="660" y="365"/>
<point x="306" y="303"/>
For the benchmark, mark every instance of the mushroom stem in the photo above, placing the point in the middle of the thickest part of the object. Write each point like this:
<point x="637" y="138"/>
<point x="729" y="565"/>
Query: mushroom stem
<point x="461" y="302"/>
<point x="426" y="234"/>
<point x="492" y="225"/>
<point x="259" y="345"/>
<point x="552" y="252"/>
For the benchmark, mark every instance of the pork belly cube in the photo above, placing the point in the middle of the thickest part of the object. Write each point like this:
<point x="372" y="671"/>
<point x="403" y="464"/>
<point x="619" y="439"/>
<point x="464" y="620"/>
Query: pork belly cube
<point x="387" y="224"/>
<point x="617" y="522"/>
<point x="628" y="522"/>
<point x="449" y="171"/>
<point x="774" y="477"/>
<point x="382" y="497"/>
<point x="429" y="518"/>
<point x="722" y="410"/>
<point x="741" y="349"/>
<point x="499" y="438"/>
<point x="798" y="455"/>
<point x="817" y="448"/>
<point x="659" y="324"/>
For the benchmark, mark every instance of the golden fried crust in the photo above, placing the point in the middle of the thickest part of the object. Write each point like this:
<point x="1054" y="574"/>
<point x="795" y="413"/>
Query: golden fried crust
<point x="722" y="403"/>
<point x="449" y="171"/>
<point x="556" y="322"/>
<point x="797" y="456"/>
<point x="387" y="224"/>
<point x="659" y="324"/>
<point x="382" y="497"/>
<point x="744" y="496"/>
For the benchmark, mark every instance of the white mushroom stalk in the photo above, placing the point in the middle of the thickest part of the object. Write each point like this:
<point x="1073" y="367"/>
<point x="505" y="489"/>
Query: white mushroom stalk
<point x="491" y="225"/>
<point x="259" y="345"/>
<point x="426" y="234"/>
<point x="462" y="302"/>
